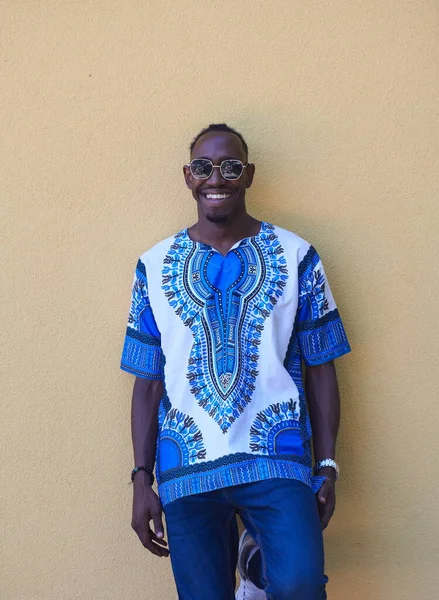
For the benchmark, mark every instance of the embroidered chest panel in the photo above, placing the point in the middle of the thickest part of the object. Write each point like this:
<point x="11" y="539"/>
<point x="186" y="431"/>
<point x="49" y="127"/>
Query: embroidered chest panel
<point x="225" y="302"/>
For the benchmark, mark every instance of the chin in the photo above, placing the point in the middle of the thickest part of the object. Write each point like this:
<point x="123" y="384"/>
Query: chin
<point x="217" y="217"/>
<point x="220" y="214"/>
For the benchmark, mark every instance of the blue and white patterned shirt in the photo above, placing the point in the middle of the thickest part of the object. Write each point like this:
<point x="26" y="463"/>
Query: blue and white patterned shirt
<point x="228" y="336"/>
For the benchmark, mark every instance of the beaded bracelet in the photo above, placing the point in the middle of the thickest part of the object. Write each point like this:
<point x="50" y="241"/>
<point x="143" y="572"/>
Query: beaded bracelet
<point x="137" y="469"/>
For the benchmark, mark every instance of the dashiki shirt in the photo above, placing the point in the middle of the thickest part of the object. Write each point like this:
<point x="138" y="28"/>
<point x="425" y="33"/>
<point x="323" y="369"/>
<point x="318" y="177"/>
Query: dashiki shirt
<point x="228" y="335"/>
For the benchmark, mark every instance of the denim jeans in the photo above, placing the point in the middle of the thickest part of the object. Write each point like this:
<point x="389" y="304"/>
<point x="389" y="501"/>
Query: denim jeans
<point x="280" y="514"/>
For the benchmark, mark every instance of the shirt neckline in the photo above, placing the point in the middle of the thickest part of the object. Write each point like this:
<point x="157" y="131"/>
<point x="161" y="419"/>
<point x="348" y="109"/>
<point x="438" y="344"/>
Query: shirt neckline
<point x="202" y="245"/>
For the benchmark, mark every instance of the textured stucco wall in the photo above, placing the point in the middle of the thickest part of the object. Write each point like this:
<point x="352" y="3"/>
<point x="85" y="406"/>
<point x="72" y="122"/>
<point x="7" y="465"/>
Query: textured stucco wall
<point x="99" y="101"/>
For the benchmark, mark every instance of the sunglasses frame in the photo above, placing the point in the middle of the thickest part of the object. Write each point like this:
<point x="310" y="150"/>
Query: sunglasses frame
<point x="217" y="167"/>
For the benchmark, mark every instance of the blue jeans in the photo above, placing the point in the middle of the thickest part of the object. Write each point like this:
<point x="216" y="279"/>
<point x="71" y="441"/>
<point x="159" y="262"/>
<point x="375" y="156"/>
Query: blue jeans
<point x="280" y="514"/>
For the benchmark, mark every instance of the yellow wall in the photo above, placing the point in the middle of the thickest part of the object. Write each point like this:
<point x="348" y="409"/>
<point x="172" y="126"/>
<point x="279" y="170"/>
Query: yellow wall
<point x="99" y="102"/>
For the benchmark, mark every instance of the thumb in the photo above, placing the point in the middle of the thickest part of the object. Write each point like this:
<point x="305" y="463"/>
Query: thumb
<point x="322" y="495"/>
<point x="158" y="525"/>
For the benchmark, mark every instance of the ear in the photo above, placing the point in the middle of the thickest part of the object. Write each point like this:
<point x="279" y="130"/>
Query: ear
<point x="187" y="176"/>
<point x="249" y="174"/>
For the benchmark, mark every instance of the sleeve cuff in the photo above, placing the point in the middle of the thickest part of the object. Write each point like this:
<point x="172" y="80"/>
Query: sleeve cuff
<point x="142" y="359"/>
<point x="323" y="340"/>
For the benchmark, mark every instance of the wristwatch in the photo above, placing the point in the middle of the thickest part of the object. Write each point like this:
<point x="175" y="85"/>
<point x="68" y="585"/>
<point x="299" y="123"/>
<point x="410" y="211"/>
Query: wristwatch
<point x="327" y="462"/>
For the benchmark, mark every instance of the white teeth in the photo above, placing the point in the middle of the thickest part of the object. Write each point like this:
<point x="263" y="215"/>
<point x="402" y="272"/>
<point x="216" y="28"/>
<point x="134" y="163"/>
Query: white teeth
<point x="217" y="196"/>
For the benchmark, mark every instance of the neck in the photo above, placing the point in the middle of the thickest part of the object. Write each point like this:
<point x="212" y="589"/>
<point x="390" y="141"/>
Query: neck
<point x="224" y="235"/>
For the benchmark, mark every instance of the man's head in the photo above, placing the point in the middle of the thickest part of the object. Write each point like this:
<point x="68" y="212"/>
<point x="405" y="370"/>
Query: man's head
<point x="219" y="195"/>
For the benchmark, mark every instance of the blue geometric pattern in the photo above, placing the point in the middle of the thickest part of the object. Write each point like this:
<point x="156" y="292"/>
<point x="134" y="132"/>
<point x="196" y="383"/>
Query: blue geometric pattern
<point x="142" y="354"/>
<point x="312" y="298"/>
<point x="277" y="430"/>
<point x="323" y="340"/>
<point x="225" y="302"/>
<point x="232" y="470"/>
<point x="181" y="442"/>
<point x="230" y="327"/>
<point x="320" y="333"/>
<point x="293" y="364"/>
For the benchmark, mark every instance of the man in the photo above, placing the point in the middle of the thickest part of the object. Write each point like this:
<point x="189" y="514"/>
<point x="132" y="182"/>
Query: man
<point x="222" y="316"/>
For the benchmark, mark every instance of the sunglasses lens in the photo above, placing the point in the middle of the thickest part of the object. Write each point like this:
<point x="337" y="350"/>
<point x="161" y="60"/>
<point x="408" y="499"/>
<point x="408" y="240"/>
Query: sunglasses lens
<point x="231" y="169"/>
<point x="201" y="168"/>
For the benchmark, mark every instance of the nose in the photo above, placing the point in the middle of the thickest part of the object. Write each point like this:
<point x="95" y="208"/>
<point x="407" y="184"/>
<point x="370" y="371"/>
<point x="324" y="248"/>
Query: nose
<point x="216" y="178"/>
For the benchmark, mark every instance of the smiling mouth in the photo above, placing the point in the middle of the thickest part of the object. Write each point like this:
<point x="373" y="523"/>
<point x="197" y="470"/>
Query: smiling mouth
<point x="217" y="196"/>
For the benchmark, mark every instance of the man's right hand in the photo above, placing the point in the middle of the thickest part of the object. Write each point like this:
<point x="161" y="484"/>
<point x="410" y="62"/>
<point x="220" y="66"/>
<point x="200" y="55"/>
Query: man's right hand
<point x="146" y="508"/>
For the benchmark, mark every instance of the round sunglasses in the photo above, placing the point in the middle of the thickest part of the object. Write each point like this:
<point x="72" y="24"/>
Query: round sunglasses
<point x="202" y="168"/>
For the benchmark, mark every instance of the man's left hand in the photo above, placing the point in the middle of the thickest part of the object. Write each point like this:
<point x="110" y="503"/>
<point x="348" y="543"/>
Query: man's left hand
<point x="326" y="498"/>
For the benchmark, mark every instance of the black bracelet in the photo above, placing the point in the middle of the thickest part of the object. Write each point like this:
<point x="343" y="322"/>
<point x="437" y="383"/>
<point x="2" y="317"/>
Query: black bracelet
<point x="137" y="469"/>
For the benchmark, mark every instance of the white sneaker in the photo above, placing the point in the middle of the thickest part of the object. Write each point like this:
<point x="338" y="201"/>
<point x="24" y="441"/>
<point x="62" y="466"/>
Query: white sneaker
<point x="247" y="590"/>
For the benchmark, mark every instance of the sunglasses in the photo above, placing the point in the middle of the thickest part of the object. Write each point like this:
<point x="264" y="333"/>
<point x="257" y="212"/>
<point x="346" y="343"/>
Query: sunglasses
<point x="202" y="168"/>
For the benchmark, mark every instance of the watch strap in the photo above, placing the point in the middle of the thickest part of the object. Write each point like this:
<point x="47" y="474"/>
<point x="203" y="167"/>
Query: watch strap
<point x="327" y="462"/>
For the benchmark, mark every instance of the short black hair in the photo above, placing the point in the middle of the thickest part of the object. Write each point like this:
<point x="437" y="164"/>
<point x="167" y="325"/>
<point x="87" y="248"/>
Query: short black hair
<point x="219" y="127"/>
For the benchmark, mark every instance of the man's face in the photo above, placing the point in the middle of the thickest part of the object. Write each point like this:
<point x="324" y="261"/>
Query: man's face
<point x="218" y="146"/>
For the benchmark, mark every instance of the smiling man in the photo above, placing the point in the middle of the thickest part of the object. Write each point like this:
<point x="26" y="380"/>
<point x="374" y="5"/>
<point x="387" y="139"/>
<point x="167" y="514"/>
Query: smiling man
<point x="223" y="316"/>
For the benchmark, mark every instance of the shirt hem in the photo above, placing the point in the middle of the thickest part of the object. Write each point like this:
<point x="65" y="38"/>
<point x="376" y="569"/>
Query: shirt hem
<point x="237" y="474"/>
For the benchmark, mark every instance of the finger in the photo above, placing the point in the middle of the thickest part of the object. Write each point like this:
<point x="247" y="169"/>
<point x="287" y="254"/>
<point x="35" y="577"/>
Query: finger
<point x="326" y="518"/>
<point x="148" y="544"/>
<point x="321" y="508"/>
<point x="154" y="548"/>
<point x="145" y="536"/>
<point x="162" y="552"/>
<point x="155" y="541"/>
<point x="327" y="514"/>
<point x="158" y="524"/>
<point x="322" y="495"/>
<point x="160" y="541"/>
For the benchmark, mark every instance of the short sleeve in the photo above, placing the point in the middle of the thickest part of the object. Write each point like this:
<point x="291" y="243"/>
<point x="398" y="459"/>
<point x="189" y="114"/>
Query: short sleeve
<point x="142" y="353"/>
<point x="320" y="332"/>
